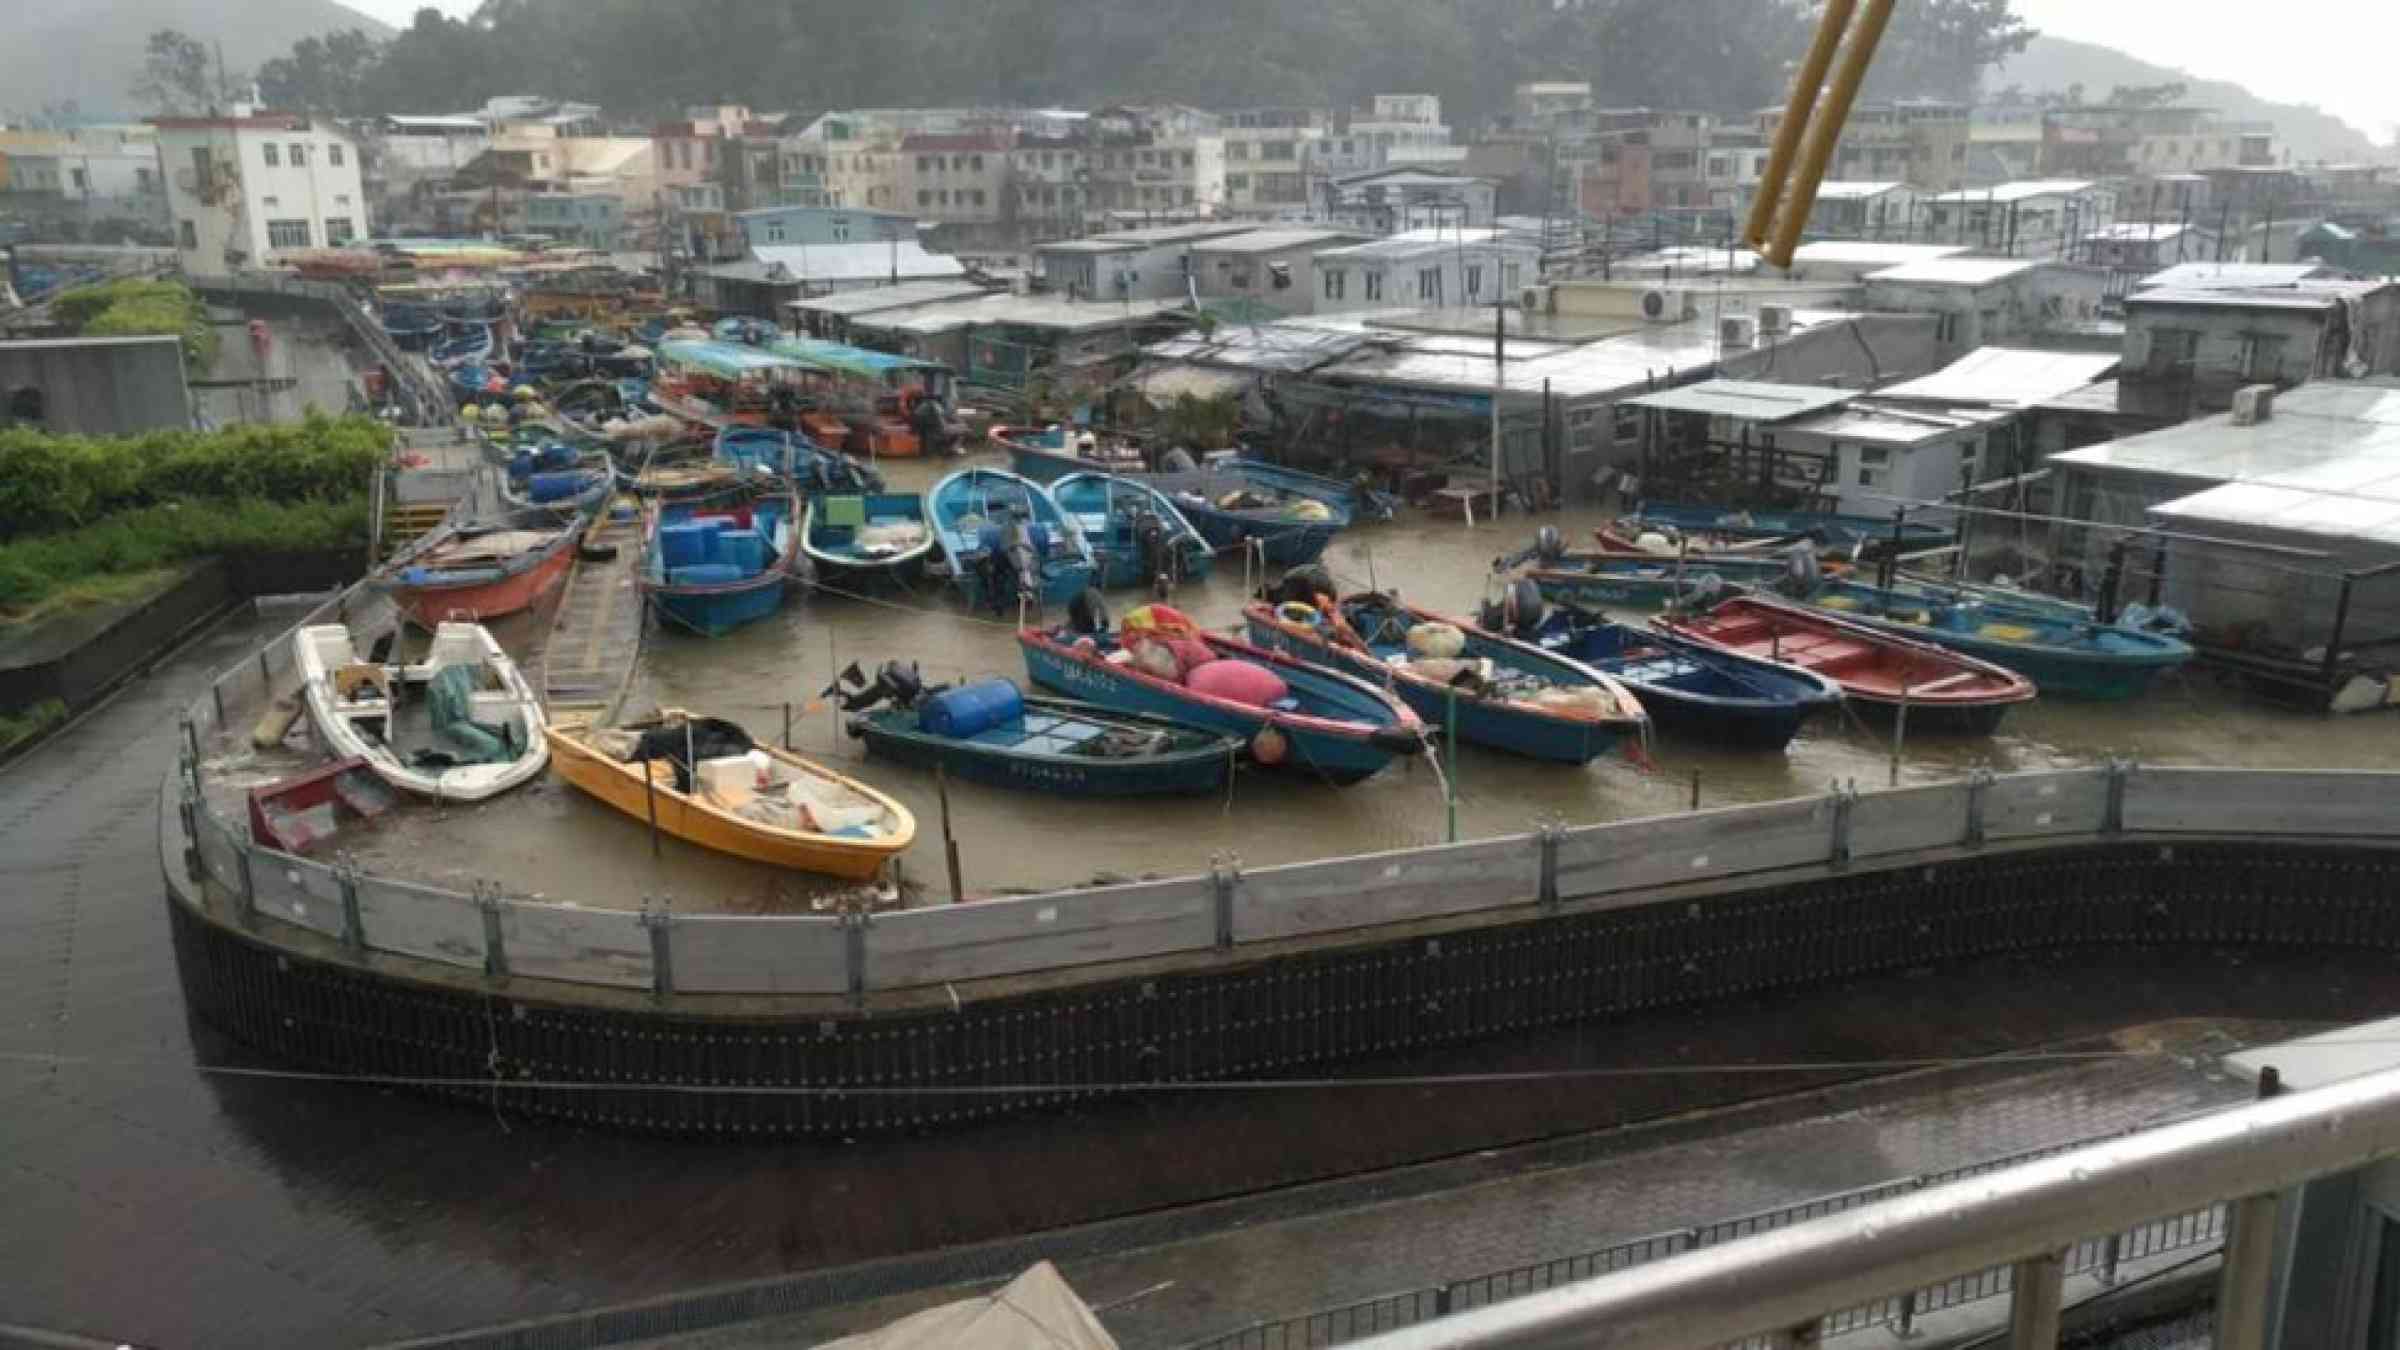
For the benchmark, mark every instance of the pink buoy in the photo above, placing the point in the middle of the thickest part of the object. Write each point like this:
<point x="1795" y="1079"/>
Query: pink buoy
<point x="1245" y="682"/>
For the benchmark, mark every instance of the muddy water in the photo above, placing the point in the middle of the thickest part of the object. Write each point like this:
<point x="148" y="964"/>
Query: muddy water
<point x="552" y="840"/>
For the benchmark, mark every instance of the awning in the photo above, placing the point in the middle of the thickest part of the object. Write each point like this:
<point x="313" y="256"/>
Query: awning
<point x="1162" y="385"/>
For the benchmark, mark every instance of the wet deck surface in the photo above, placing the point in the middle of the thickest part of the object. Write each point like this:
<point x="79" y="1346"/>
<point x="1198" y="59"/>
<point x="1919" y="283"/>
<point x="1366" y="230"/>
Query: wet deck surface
<point x="147" y="1200"/>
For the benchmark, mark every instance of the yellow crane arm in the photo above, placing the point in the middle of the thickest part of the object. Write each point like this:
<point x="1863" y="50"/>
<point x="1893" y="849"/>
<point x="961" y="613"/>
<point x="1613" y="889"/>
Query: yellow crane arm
<point x="1845" y="42"/>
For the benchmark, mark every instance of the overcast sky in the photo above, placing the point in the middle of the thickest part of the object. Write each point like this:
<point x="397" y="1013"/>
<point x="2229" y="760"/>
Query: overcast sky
<point x="2342" y="55"/>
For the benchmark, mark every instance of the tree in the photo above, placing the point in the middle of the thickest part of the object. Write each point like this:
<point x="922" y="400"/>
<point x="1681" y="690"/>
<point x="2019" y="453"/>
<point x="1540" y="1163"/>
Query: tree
<point x="1940" y="48"/>
<point x="2146" y="95"/>
<point x="326" y="75"/>
<point x="178" y="76"/>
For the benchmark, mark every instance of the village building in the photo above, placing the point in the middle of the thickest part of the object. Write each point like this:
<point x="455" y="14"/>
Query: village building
<point x="251" y="187"/>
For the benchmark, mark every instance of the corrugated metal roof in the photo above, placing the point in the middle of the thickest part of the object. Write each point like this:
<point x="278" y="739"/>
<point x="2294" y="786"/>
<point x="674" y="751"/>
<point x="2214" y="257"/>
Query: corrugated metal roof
<point x="1030" y="311"/>
<point x="1956" y="271"/>
<point x="870" y="261"/>
<point x="2313" y="293"/>
<point x="2329" y="435"/>
<point x="1867" y="253"/>
<point x="1271" y="241"/>
<point x="1274" y="346"/>
<point x="2008" y="377"/>
<point x="1750" y="400"/>
<point x="1164" y="384"/>
<point x="875" y="299"/>
<point x="2025" y="190"/>
<point x="1884" y="424"/>
<point x="2265" y="506"/>
<point x="1840" y="190"/>
<point x="1149" y="236"/>
<point x="1416" y="243"/>
<point x="2219" y="275"/>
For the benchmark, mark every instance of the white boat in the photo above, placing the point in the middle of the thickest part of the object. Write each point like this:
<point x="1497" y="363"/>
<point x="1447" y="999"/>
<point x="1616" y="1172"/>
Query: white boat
<point x="461" y="725"/>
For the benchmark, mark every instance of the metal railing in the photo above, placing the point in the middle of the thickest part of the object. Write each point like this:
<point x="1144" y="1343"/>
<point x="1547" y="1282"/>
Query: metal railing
<point x="2019" y="1229"/>
<point x="1390" y="1312"/>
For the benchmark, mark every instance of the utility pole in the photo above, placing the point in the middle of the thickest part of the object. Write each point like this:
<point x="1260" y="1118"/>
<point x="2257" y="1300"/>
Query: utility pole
<point x="1499" y="364"/>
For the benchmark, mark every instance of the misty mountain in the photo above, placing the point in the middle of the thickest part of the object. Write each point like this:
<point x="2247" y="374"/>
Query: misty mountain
<point x="2055" y="64"/>
<point x="91" y="50"/>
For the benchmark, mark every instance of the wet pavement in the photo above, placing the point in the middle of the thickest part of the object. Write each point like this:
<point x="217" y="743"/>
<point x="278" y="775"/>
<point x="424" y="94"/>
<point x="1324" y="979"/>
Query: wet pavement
<point x="150" y="1200"/>
<point x="551" y="840"/>
<point x="305" y="365"/>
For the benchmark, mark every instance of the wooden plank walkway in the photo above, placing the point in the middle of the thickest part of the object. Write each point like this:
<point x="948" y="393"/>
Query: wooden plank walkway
<point x="596" y="631"/>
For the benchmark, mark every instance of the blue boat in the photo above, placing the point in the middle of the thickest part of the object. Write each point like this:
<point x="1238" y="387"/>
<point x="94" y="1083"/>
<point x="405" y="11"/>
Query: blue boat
<point x="1830" y="530"/>
<point x="1231" y="509"/>
<point x="1357" y="502"/>
<point x="475" y="382"/>
<point x="989" y="732"/>
<point x="811" y="467"/>
<point x="1333" y="727"/>
<point x="1692" y="690"/>
<point x="1047" y="454"/>
<point x="1614" y="583"/>
<point x="412" y="327"/>
<point x="556" y="476"/>
<point x="1138" y="537"/>
<point x="1506" y="694"/>
<point x="713" y="565"/>
<point x="864" y="537"/>
<point x="1004" y="538"/>
<point x="475" y="345"/>
<point x="2064" y="657"/>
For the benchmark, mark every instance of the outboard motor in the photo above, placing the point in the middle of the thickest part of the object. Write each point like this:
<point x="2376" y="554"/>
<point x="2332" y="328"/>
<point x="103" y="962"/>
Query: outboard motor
<point x="1800" y="572"/>
<point x="1011" y="567"/>
<point x="1087" y="613"/>
<point x="1547" y="548"/>
<point x="1177" y="460"/>
<point x="1161" y="561"/>
<point x="1519" y="611"/>
<point x="1303" y="584"/>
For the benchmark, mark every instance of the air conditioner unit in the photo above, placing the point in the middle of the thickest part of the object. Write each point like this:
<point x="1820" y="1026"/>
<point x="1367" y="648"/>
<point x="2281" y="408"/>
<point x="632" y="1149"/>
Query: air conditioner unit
<point x="1774" y="320"/>
<point x="2253" y="404"/>
<point x="1737" y="330"/>
<point x="1536" y="300"/>
<point x="1664" y="305"/>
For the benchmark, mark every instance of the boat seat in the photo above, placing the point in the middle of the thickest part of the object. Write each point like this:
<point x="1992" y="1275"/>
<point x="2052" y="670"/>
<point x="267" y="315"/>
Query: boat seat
<point x="846" y="512"/>
<point x="360" y="681"/>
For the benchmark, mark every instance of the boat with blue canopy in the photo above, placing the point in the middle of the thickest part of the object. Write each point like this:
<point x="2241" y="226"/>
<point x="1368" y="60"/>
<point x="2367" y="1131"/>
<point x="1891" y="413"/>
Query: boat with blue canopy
<point x="1138" y="536"/>
<point x="865" y="537"/>
<point x="1006" y="539"/>
<point x="874" y="398"/>
<point x="710" y="566"/>
<point x="990" y="732"/>
<point x="1691" y="690"/>
<point x="2064" y="657"/>
<point x="713" y="383"/>
<point x="1504" y="694"/>
<point x="1288" y="714"/>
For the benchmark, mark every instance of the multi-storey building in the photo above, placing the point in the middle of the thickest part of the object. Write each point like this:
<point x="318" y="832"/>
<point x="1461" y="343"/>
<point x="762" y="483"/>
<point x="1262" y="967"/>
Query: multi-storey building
<point x="245" y="188"/>
<point x="1920" y="142"/>
<point x="1052" y="176"/>
<point x="960" y="183"/>
<point x="1267" y="158"/>
<point x="1156" y="163"/>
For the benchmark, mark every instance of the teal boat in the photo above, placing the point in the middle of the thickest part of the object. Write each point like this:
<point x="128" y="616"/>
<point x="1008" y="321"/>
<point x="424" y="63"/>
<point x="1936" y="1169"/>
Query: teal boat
<point x="858" y="537"/>
<point x="1137" y="535"/>
<point x="2065" y="657"/>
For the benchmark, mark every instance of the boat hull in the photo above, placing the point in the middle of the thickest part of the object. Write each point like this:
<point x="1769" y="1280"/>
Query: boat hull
<point x="1338" y="757"/>
<point x="474" y="602"/>
<point x="1830" y="529"/>
<point x="1182" y="773"/>
<point x="2081" y="667"/>
<point x="716" y="612"/>
<point x="620" y="785"/>
<point x="1879" y="672"/>
<point x="1117" y="558"/>
<point x="1491" y="723"/>
<point x="1644" y="588"/>
<point x="1767" y="719"/>
<point x="1067" y="570"/>
<point x="836" y="567"/>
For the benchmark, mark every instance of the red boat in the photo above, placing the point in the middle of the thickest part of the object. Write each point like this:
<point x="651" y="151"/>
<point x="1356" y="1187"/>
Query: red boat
<point x="473" y="573"/>
<point x="1943" y="690"/>
<point x="298" y="813"/>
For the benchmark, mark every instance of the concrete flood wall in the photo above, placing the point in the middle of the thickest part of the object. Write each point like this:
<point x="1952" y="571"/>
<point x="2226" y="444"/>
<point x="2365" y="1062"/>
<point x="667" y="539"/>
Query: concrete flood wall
<point x="815" y="1023"/>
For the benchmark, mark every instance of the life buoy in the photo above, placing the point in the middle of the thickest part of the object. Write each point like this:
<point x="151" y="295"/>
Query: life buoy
<point x="1297" y="611"/>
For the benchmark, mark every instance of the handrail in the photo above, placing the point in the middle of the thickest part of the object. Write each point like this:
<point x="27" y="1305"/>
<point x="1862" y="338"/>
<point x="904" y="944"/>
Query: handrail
<point x="1769" y="1284"/>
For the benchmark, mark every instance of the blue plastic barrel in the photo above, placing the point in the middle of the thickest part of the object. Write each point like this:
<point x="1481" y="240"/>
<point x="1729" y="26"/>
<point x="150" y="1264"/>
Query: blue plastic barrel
<point x="556" y="487"/>
<point x="685" y="545"/>
<point x="745" y="549"/>
<point x="705" y="574"/>
<point x="971" y="709"/>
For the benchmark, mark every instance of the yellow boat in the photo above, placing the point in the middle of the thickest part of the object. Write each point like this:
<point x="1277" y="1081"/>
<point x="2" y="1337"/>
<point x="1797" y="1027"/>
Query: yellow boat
<point x="839" y="826"/>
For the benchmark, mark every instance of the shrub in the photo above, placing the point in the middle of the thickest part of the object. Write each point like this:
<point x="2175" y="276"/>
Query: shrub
<point x="134" y="305"/>
<point x="50" y="483"/>
<point x="33" y="570"/>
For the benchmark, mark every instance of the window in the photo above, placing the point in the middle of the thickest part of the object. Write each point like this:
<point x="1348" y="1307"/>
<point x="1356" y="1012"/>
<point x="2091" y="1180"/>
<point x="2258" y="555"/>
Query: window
<point x="1237" y="150"/>
<point x="941" y="196"/>
<point x="2173" y="349"/>
<point x="274" y="155"/>
<point x="287" y="234"/>
<point x="1185" y="159"/>
<point x="978" y="195"/>
<point x="1374" y="286"/>
<point x="338" y="231"/>
<point x="1237" y="182"/>
<point x="774" y="231"/>
<point x="976" y="164"/>
<point x="1474" y="280"/>
<point x="79" y="179"/>
<point x="1429" y="285"/>
<point x="1511" y="277"/>
<point x="299" y="155"/>
<point x="1945" y="328"/>
<point x="1187" y="196"/>
<point x="683" y="150"/>
<point x="187" y="235"/>
<point x="333" y="155"/>
<point x="1337" y="281"/>
<point x="1271" y="150"/>
<point x="141" y="180"/>
<point x="2262" y="356"/>
<point x="924" y="198"/>
<point x="1624" y="422"/>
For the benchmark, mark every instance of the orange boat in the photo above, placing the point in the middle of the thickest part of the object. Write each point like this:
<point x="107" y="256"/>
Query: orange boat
<point x="472" y="573"/>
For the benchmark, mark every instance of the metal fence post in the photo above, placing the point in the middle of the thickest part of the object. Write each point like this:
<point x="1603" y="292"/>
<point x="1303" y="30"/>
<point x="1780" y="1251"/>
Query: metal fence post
<point x="2112" y="1252"/>
<point x="1979" y="785"/>
<point x="2113" y="821"/>
<point x="216" y="690"/>
<point x="2036" y="1291"/>
<point x="1441" y="1300"/>
<point x="660" y="920"/>
<point x="495" y="943"/>
<point x="854" y="952"/>
<point x="246" y="908"/>
<point x="189" y="809"/>
<point x="1223" y="875"/>
<point x="1552" y="833"/>
<point x="354" y="928"/>
<point x="1908" y="1313"/>
<point x="1838" y="851"/>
